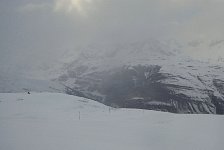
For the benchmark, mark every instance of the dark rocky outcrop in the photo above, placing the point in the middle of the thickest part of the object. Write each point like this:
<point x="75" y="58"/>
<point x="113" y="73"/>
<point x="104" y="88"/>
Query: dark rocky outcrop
<point x="142" y="86"/>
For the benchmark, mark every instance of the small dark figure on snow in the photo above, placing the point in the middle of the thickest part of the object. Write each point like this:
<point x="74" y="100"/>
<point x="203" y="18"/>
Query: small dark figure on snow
<point x="28" y="92"/>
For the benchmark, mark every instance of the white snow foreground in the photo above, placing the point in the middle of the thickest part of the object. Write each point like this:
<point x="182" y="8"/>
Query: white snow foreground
<point x="49" y="121"/>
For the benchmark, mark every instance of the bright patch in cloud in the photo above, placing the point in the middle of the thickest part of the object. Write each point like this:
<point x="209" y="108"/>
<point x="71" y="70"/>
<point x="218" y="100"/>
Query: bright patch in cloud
<point x="70" y="6"/>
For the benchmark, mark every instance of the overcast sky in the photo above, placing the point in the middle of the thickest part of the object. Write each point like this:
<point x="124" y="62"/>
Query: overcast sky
<point x="40" y="30"/>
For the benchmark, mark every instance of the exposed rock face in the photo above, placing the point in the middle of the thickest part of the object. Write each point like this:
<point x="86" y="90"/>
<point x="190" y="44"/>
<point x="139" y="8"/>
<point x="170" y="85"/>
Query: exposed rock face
<point x="164" y="81"/>
<point x="144" y="87"/>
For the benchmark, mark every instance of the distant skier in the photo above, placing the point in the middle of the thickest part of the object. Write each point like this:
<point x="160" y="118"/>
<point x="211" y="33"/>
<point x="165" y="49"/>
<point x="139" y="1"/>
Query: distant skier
<point x="28" y="92"/>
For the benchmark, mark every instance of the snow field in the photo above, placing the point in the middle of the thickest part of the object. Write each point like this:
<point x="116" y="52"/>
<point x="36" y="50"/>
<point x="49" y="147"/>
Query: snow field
<point x="51" y="121"/>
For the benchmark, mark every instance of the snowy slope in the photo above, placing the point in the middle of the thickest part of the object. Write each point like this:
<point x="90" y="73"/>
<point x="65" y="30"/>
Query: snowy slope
<point x="210" y="50"/>
<point x="49" y="121"/>
<point x="13" y="83"/>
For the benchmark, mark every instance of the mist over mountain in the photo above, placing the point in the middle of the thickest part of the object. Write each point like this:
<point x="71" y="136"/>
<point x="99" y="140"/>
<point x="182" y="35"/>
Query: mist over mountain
<point x="34" y="31"/>
<point x="150" y="75"/>
<point x="111" y="74"/>
<point x="152" y="54"/>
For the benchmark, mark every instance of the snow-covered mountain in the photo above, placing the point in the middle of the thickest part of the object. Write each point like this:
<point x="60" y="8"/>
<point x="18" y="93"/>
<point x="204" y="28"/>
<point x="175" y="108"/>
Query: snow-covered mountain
<point x="210" y="50"/>
<point x="151" y="75"/>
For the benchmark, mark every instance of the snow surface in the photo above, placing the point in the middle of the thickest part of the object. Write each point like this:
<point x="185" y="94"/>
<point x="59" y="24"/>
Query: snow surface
<point x="50" y="121"/>
<point x="13" y="84"/>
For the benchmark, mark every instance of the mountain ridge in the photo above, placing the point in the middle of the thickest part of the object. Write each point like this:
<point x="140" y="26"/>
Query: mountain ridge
<point x="159" y="73"/>
<point x="186" y="84"/>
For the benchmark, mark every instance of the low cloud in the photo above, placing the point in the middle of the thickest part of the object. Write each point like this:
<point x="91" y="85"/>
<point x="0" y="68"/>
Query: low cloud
<point x="69" y="7"/>
<point x="44" y="29"/>
<point x="34" y="7"/>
